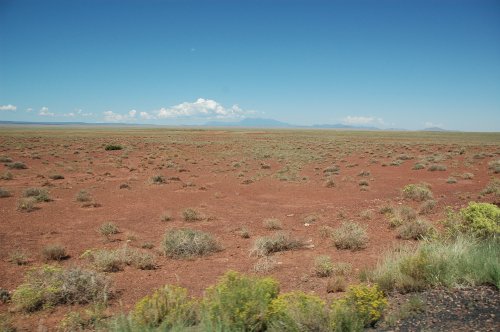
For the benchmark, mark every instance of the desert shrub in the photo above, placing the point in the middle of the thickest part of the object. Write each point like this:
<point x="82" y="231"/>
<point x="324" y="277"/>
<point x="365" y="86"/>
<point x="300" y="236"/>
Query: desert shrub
<point x="186" y="243"/>
<point x="334" y="169"/>
<point x="166" y="216"/>
<point x="311" y="218"/>
<point x="460" y="261"/>
<point x="323" y="266"/>
<point x="368" y="302"/>
<point x="364" y="173"/>
<point x="48" y="286"/>
<point x="107" y="229"/>
<point x="168" y="307"/>
<point x="451" y="180"/>
<point x="5" y="159"/>
<point x="402" y="214"/>
<point x="494" y="165"/>
<point x="297" y="311"/>
<point x="363" y="183"/>
<point x="56" y="176"/>
<point x="191" y="214"/>
<point x="325" y="231"/>
<point x="4" y="193"/>
<point x="272" y="224"/>
<point x="350" y="235"/>
<point x="26" y="204"/>
<point x="54" y="252"/>
<point x="265" y="264"/>
<point x="90" y="320"/>
<point x="279" y="241"/>
<point x="344" y="318"/>
<point x="158" y="179"/>
<point x="244" y="233"/>
<point x="341" y="269"/>
<point x="39" y="194"/>
<point x="330" y="183"/>
<point x="115" y="260"/>
<point x="16" y="165"/>
<point x="493" y="187"/>
<point x="415" y="230"/>
<point x="112" y="147"/>
<point x="6" y="176"/>
<point x="417" y="192"/>
<point x="4" y="296"/>
<point x="18" y="257"/>
<point x="83" y="196"/>
<point x="336" y="284"/>
<point x="467" y="176"/>
<point x="433" y="168"/>
<point x="418" y="166"/>
<point x="238" y="303"/>
<point x="427" y="206"/>
<point x="482" y="219"/>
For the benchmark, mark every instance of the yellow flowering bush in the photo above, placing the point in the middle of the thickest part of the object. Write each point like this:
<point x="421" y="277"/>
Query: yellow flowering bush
<point x="367" y="301"/>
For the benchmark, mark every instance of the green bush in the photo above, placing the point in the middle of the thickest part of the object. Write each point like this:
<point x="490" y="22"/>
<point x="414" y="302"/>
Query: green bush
<point x="417" y="192"/>
<point x="112" y="147"/>
<point x="186" y="243"/>
<point x="350" y="236"/>
<point x="16" y="165"/>
<point x="297" y="312"/>
<point x="279" y="241"/>
<point x="48" y="286"/>
<point x="482" y="219"/>
<point x="4" y="193"/>
<point x="368" y="302"/>
<point x="167" y="307"/>
<point x="238" y="303"/>
<point x="415" y="230"/>
<point x="323" y="266"/>
<point x="40" y="195"/>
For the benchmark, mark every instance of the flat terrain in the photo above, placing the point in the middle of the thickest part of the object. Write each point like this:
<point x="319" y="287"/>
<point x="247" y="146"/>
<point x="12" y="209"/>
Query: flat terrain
<point x="235" y="179"/>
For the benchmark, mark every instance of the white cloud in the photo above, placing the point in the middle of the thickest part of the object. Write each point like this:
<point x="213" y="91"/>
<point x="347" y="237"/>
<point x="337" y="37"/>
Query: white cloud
<point x="201" y="108"/>
<point x="44" y="111"/>
<point x="9" y="107"/>
<point x="29" y="109"/>
<point x="146" y="116"/>
<point x="362" y="120"/>
<point x="111" y="116"/>
<point x="80" y="112"/>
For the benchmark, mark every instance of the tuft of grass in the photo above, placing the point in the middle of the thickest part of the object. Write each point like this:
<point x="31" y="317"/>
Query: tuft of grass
<point x="418" y="166"/>
<point x="417" y="192"/>
<point x="415" y="230"/>
<point x="330" y="183"/>
<point x="26" y="204"/>
<point x="16" y="165"/>
<point x="48" y="286"/>
<point x="39" y="194"/>
<point x="459" y="261"/>
<point x="188" y="243"/>
<point x="6" y="176"/>
<point x="336" y="284"/>
<point x="166" y="216"/>
<point x="350" y="235"/>
<point x="83" y="196"/>
<point x="158" y="179"/>
<point x="265" y="264"/>
<point x="112" y="147"/>
<point x="19" y="257"/>
<point x="451" y="180"/>
<point x="4" y="193"/>
<point x="323" y="266"/>
<point x="191" y="214"/>
<point x="56" y="176"/>
<point x="401" y="215"/>
<point x="107" y="229"/>
<point x="115" y="260"/>
<point x="434" y="168"/>
<point x="279" y="241"/>
<point x="272" y="224"/>
<point x="54" y="252"/>
<point x="493" y="187"/>
<point x="244" y="233"/>
<point x="427" y="206"/>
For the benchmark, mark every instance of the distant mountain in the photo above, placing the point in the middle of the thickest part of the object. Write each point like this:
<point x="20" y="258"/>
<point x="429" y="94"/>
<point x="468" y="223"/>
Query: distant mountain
<point x="251" y="122"/>
<point x="434" y="129"/>
<point x="342" y="126"/>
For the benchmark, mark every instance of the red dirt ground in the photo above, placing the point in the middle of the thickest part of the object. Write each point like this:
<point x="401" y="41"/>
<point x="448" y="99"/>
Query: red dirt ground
<point x="211" y="183"/>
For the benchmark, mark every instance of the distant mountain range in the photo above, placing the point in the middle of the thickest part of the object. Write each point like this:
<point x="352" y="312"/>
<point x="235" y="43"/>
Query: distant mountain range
<point x="245" y="123"/>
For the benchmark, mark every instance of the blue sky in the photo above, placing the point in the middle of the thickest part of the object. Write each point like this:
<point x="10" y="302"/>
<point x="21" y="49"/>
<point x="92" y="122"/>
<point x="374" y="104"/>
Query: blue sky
<point x="404" y="64"/>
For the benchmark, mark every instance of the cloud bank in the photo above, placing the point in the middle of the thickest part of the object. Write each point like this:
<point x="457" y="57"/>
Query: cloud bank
<point x="362" y="120"/>
<point x="9" y="107"/>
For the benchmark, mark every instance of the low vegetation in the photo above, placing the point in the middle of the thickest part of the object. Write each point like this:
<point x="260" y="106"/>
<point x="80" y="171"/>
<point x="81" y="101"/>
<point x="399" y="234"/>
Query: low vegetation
<point x="279" y="241"/>
<point x="48" y="286"/>
<point x="417" y="192"/>
<point x="351" y="236"/>
<point x="188" y="243"/>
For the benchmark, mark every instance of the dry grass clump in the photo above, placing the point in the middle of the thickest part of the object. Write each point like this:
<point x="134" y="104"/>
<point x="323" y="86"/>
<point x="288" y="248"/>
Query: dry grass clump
<point x="158" y="179"/>
<point x="191" y="214"/>
<point x="166" y="216"/>
<point x="350" y="235"/>
<point x="19" y="257"/>
<point x="56" y="176"/>
<point x="115" y="260"/>
<point x="427" y="206"/>
<point x="4" y="193"/>
<point x="83" y="196"/>
<point x="39" y="194"/>
<point x="433" y="168"/>
<point x="330" y="183"/>
<point x="492" y="188"/>
<point x="16" y="165"/>
<point x="244" y="233"/>
<point x="451" y="180"/>
<point x="6" y="176"/>
<point x="272" y="224"/>
<point x="400" y="215"/>
<point x="187" y="243"/>
<point x="415" y="230"/>
<point x="265" y="264"/>
<point x="323" y="266"/>
<point x="417" y="192"/>
<point x="26" y="204"/>
<point x="336" y="284"/>
<point x="279" y="241"/>
<point x="107" y="229"/>
<point x="54" y="252"/>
